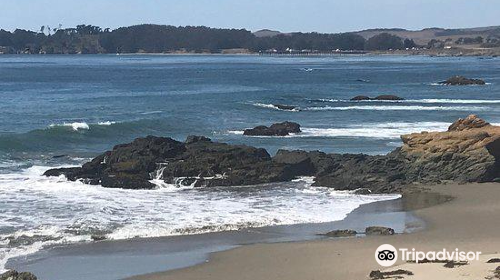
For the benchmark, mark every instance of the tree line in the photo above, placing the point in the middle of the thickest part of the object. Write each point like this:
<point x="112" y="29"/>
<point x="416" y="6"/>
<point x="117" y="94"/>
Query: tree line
<point x="149" y="38"/>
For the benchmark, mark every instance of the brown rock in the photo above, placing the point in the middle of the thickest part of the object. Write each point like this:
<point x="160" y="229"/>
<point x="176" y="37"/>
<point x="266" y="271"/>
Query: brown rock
<point x="471" y="122"/>
<point x="377" y="230"/>
<point x="341" y="233"/>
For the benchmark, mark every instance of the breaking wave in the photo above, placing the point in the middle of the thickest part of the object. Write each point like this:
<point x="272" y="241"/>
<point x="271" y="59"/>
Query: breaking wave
<point x="399" y="108"/>
<point x="374" y="130"/>
<point x="80" y="125"/>
<point x="64" y="212"/>
<point x="273" y="106"/>
<point x="432" y="101"/>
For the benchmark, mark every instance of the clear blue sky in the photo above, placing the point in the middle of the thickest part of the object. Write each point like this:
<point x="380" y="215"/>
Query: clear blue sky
<point x="283" y="15"/>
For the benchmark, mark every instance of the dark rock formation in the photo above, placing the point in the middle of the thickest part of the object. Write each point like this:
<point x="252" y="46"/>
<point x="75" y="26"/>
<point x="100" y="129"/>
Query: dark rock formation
<point x="396" y="274"/>
<point x="468" y="152"/>
<point x="360" y="98"/>
<point x="388" y="97"/>
<point x="379" y="231"/>
<point x="14" y="275"/>
<point x="286" y="107"/>
<point x="197" y="161"/>
<point x="462" y="81"/>
<point x="277" y="129"/>
<point x="341" y="233"/>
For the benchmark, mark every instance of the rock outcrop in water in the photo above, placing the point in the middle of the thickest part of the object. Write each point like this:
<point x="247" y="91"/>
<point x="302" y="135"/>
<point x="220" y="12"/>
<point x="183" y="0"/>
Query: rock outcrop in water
<point x="277" y="129"/>
<point x="468" y="152"/>
<point x="198" y="161"/>
<point x="462" y="81"/>
<point x="286" y="107"/>
<point x="14" y="275"/>
<point x="386" y="97"/>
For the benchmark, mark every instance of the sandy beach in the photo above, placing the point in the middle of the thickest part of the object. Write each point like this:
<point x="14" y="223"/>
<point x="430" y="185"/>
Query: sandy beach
<point x="467" y="222"/>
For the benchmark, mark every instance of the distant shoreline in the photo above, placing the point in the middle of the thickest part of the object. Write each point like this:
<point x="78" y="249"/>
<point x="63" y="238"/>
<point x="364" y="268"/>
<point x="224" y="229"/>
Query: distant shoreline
<point x="423" y="52"/>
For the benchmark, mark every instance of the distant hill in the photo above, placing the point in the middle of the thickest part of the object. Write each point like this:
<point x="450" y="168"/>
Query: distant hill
<point x="423" y="36"/>
<point x="266" y="33"/>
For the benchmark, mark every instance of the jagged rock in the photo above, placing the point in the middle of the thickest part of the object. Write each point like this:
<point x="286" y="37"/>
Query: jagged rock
<point x="462" y="81"/>
<point x="197" y="161"/>
<point x="299" y="162"/>
<point x="376" y="230"/>
<point x="360" y="98"/>
<point x="277" y="129"/>
<point x="388" y="97"/>
<point x="285" y="107"/>
<point x="14" y="275"/>
<point x="472" y="121"/>
<point x="341" y="233"/>
<point x="468" y="152"/>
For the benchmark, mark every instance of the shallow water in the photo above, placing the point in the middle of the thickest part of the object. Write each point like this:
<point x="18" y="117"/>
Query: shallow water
<point x="63" y="110"/>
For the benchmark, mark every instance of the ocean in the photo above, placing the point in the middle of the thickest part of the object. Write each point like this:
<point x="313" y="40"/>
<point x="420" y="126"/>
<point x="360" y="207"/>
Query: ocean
<point x="64" y="110"/>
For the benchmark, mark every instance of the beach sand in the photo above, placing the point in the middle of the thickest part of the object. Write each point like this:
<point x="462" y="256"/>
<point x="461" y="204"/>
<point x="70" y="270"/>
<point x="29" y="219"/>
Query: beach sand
<point x="469" y="222"/>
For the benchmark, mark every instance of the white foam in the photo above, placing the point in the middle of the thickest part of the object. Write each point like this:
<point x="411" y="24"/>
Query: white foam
<point x="75" y="125"/>
<point x="81" y="125"/>
<point x="431" y="100"/>
<point x="399" y="108"/>
<point x="370" y="130"/>
<point x="106" y="123"/>
<point x="272" y="106"/>
<point x="56" y="211"/>
<point x="455" y="101"/>
<point x="383" y="130"/>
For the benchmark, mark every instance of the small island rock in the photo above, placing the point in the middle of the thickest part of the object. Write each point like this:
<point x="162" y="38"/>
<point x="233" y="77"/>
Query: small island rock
<point x="277" y="129"/>
<point x="462" y="81"/>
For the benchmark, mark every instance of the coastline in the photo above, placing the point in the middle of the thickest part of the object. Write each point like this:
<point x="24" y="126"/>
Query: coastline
<point x="457" y="52"/>
<point x="467" y="222"/>
<point x="126" y="258"/>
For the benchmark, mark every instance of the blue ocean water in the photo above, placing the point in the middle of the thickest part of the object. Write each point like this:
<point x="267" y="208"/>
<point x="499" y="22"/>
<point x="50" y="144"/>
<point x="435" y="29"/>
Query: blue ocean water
<point x="123" y="97"/>
<point x="63" y="110"/>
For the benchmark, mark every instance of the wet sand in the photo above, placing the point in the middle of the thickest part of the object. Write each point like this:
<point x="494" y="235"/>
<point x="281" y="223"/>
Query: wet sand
<point x="469" y="222"/>
<point x="121" y="259"/>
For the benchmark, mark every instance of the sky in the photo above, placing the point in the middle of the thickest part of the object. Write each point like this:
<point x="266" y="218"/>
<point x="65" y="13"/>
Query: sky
<point x="284" y="15"/>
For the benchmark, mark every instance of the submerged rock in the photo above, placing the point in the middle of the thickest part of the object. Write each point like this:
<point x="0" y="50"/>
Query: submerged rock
<point x="462" y="81"/>
<point x="277" y="129"/>
<point x="14" y="275"/>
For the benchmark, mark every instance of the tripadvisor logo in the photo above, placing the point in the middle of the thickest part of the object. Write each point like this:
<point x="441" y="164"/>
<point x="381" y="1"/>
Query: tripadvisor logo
<point x="387" y="255"/>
